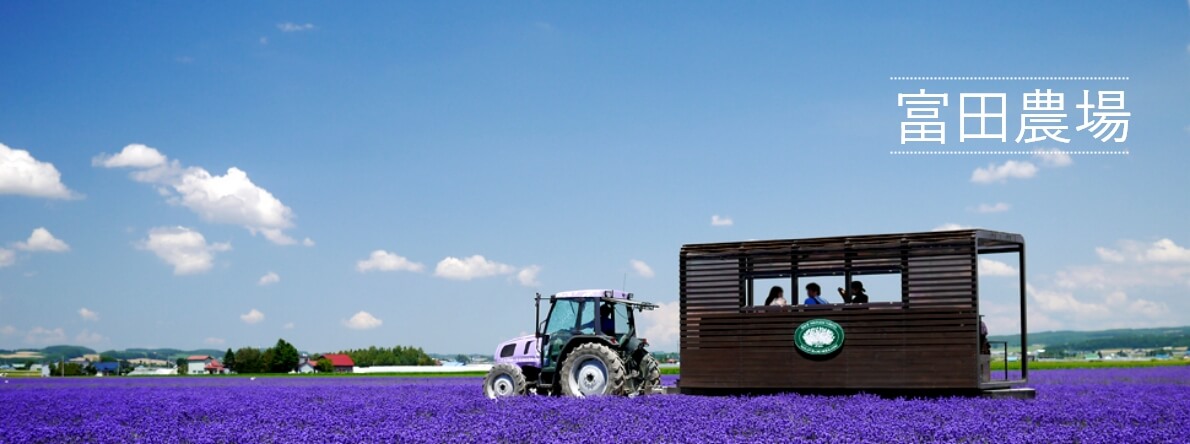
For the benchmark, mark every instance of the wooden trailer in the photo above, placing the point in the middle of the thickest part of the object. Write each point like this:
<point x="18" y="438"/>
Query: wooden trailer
<point x="928" y="340"/>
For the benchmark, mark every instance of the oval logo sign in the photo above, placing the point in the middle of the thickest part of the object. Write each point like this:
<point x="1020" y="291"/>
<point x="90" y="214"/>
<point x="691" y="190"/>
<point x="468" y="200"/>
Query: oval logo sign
<point x="818" y="337"/>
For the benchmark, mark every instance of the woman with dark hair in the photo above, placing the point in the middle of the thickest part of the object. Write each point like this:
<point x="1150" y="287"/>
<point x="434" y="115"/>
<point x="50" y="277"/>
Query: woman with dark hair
<point x="856" y="295"/>
<point x="776" y="296"/>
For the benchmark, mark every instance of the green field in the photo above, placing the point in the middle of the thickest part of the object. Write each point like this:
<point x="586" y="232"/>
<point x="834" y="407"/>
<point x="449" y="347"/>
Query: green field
<point x="1054" y="365"/>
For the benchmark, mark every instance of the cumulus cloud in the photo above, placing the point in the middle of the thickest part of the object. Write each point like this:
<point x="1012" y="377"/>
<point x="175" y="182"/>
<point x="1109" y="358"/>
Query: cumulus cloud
<point x="21" y="174"/>
<point x="641" y="268"/>
<point x="269" y="279"/>
<point x="288" y="326"/>
<point x="231" y="198"/>
<point x="88" y="315"/>
<point x="470" y="268"/>
<point x="134" y="155"/>
<point x="213" y="341"/>
<point x="185" y="249"/>
<point x="991" y="267"/>
<point x="363" y="321"/>
<point x="528" y="276"/>
<point x="998" y="207"/>
<point x="40" y="335"/>
<point x="294" y="27"/>
<point x="8" y="330"/>
<point x="42" y="240"/>
<point x="951" y="227"/>
<point x="381" y="260"/>
<point x="253" y="316"/>
<point x="1053" y="157"/>
<point x="89" y="338"/>
<point x="1001" y="173"/>
<point x="1160" y="251"/>
<point x="7" y="257"/>
<point x="660" y="326"/>
<point x="308" y="242"/>
<point x="721" y="221"/>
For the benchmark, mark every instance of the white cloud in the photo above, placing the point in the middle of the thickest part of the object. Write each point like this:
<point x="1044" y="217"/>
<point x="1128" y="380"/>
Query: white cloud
<point x="951" y="227"/>
<point x="134" y="156"/>
<point x="294" y="27"/>
<point x="1053" y="158"/>
<point x="1009" y="170"/>
<point x="363" y="321"/>
<point x="718" y="221"/>
<point x="253" y="316"/>
<point x="264" y="40"/>
<point x="998" y="207"/>
<point x="7" y="257"/>
<point x="42" y="240"/>
<point x="185" y="249"/>
<point x="213" y="341"/>
<point x="381" y="260"/>
<point x="641" y="268"/>
<point x="660" y="326"/>
<point x="1160" y="251"/>
<point x="89" y="315"/>
<point x="21" y="174"/>
<point x="528" y="276"/>
<point x="8" y="330"/>
<point x="308" y="242"/>
<point x="1055" y="301"/>
<point x="228" y="199"/>
<point x="269" y="279"/>
<point x="89" y="338"/>
<point x="470" y="268"/>
<point x="990" y="267"/>
<point x="39" y="335"/>
<point x="288" y="326"/>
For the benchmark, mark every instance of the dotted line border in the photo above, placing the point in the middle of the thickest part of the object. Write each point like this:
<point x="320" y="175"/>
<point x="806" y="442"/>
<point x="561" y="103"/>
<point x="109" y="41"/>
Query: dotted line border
<point x="1123" y="152"/>
<point x="1009" y="78"/>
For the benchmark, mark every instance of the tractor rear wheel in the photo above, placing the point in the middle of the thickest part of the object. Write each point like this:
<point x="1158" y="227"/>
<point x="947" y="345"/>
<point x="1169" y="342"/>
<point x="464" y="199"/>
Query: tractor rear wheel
<point x="592" y="370"/>
<point x="650" y="371"/>
<point x="504" y="380"/>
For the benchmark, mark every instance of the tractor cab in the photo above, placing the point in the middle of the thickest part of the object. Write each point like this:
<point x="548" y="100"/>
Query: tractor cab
<point x="587" y="345"/>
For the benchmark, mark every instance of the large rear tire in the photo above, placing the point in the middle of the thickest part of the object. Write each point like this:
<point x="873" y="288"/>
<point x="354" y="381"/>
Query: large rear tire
<point x="504" y="380"/>
<point x="650" y="371"/>
<point x="592" y="370"/>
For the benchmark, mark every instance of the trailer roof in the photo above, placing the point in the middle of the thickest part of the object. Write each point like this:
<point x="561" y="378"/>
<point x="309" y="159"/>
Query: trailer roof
<point x="986" y="240"/>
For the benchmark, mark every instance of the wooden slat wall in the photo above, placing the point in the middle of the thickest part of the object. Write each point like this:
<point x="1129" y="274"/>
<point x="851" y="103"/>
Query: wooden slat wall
<point x="929" y="340"/>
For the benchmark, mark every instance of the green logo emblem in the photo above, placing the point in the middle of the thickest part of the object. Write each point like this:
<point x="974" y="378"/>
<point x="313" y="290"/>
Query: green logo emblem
<point x="818" y="337"/>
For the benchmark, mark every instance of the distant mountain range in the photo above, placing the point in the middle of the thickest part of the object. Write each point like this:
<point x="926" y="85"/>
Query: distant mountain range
<point x="1074" y="341"/>
<point x="67" y="352"/>
<point x="1089" y="341"/>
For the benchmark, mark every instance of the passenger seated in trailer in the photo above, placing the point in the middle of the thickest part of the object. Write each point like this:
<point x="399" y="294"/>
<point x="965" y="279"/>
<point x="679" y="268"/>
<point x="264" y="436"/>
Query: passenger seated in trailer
<point x="776" y="297"/>
<point x="857" y="294"/>
<point x="813" y="295"/>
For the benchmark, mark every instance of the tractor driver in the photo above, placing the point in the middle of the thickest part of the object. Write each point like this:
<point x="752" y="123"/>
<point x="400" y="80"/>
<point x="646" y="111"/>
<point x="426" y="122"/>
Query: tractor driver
<point x="606" y="323"/>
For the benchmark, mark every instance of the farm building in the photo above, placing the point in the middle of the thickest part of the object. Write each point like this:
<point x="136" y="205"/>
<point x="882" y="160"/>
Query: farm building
<point x="305" y="365"/>
<point x="203" y="364"/>
<point x="342" y="363"/>
<point x="106" y="368"/>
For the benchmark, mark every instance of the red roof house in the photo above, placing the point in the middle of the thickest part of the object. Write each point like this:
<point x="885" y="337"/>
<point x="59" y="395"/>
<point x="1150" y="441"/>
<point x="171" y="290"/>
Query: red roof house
<point x="342" y="363"/>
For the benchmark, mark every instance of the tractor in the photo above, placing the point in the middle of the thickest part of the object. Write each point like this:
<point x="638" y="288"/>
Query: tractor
<point x="586" y="346"/>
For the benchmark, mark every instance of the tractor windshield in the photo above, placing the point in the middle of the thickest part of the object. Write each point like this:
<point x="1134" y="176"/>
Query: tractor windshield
<point x="572" y="315"/>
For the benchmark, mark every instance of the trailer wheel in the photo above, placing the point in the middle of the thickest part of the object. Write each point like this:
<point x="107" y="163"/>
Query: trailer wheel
<point x="504" y="380"/>
<point x="593" y="370"/>
<point x="650" y="371"/>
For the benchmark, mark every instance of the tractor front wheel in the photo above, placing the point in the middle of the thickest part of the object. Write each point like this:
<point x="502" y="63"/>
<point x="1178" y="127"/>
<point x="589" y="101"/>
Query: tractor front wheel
<point x="592" y="370"/>
<point x="504" y="380"/>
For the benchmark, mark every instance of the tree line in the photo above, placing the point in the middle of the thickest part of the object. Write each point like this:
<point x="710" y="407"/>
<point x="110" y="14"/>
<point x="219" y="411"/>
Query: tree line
<point x="398" y="355"/>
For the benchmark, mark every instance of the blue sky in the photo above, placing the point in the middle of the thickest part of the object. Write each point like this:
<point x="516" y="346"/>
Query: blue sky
<point x="220" y="176"/>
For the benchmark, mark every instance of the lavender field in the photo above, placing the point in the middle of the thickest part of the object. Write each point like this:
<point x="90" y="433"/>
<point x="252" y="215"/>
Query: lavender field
<point x="1086" y="406"/>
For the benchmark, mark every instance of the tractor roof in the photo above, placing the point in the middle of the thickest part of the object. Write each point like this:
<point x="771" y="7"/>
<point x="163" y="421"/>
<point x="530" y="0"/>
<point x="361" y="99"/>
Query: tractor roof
<point x="596" y="293"/>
